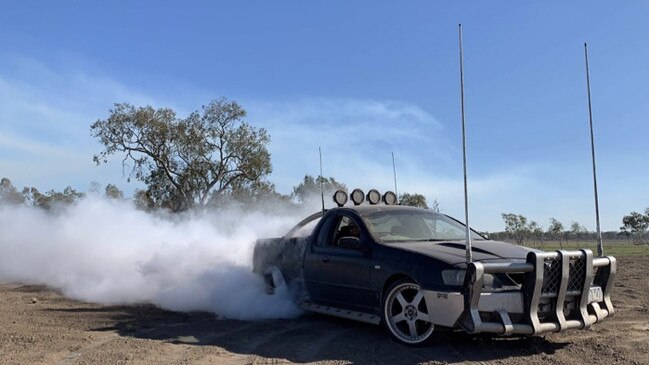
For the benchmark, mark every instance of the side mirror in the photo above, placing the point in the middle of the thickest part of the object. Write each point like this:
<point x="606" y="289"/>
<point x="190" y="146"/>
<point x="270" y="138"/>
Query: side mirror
<point x="353" y="243"/>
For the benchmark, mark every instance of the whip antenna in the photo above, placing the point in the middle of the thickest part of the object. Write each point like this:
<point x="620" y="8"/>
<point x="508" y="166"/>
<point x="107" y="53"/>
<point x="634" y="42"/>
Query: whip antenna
<point x="394" y="172"/>
<point x="469" y="256"/>
<point x="321" y="181"/>
<point x="600" y="248"/>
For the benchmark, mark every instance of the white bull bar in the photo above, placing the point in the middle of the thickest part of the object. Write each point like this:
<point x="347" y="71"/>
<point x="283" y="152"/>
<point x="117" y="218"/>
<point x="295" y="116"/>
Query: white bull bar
<point x="551" y="281"/>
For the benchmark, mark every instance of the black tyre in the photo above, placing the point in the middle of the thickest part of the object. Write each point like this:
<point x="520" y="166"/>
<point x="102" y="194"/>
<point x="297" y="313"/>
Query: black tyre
<point x="274" y="279"/>
<point x="405" y="315"/>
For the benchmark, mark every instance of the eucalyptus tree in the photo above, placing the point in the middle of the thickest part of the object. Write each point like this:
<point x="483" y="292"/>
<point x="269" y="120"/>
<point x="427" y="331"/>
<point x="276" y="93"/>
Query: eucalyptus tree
<point x="415" y="200"/>
<point x="555" y="230"/>
<point x="518" y="227"/>
<point x="185" y="162"/>
<point x="308" y="190"/>
<point x="9" y="195"/>
<point x="636" y="224"/>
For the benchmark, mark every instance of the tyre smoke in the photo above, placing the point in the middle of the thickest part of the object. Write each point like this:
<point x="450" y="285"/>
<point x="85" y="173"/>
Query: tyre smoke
<point x="106" y="251"/>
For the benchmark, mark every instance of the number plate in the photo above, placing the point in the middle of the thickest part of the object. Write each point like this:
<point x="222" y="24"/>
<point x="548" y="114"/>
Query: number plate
<point x="595" y="294"/>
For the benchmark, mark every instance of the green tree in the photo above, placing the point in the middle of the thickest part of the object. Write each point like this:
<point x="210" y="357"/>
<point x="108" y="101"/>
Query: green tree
<point x="415" y="200"/>
<point x="519" y="228"/>
<point x="555" y="230"/>
<point x="9" y="195"/>
<point x="185" y="162"/>
<point x="113" y="192"/>
<point x="51" y="199"/>
<point x="308" y="191"/>
<point x="33" y="197"/>
<point x="250" y="195"/>
<point x="536" y="231"/>
<point x="577" y="231"/>
<point x="143" y="201"/>
<point x="636" y="225"/>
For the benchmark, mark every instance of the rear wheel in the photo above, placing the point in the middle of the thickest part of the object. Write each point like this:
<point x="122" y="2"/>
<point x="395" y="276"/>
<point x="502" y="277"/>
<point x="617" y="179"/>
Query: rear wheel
<point x="274" y="279"/>
<point x="405" y="314"/>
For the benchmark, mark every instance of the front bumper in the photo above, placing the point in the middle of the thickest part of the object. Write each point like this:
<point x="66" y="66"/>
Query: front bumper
<point x="561" y="290"/>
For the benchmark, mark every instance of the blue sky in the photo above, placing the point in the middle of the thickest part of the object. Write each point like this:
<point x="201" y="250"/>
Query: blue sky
<point x="360" y="79"/>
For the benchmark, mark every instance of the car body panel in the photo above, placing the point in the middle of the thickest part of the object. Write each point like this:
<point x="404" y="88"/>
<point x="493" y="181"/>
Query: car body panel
<point x="328" y="277"/>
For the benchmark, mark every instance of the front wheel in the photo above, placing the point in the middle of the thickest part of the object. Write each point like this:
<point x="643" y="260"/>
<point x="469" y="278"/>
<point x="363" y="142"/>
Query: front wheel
<point x="405" y="313"/>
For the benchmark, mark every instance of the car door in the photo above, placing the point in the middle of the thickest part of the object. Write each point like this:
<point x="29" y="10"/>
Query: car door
<point x="342" y="275"/>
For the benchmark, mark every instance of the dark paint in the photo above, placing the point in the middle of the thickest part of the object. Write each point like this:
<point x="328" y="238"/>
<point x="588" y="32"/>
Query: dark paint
<point x="355" y="278"/>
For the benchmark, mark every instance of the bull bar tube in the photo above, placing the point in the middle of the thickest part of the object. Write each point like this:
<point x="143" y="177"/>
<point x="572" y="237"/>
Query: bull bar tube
<point x="556" y="294"/>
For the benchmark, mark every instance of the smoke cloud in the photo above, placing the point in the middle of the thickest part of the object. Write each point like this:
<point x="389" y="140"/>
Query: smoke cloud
<point x="105" y="251"/>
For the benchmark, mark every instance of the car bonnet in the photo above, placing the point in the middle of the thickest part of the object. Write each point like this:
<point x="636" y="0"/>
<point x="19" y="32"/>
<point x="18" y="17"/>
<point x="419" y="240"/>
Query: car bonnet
<point x="453" y="252"/>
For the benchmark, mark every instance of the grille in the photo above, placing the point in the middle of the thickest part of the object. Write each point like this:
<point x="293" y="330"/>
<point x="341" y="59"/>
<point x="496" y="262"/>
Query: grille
<point x="577" y="276"/>
<point x="551" y="275"/>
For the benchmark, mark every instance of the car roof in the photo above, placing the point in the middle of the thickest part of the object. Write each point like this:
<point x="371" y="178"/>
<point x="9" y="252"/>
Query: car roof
<point x="366" y="209"/>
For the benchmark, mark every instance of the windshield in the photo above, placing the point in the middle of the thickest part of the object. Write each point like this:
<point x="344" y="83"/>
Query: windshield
<point x="402" y="226"/>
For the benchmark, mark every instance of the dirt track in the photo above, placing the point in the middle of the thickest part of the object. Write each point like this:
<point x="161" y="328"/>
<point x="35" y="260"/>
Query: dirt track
<point x="56" y="330"/>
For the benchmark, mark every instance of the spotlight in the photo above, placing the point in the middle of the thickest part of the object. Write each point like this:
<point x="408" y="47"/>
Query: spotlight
<point x="357" y="196"/>
<point x="373" y="196"/>
<point x="340" y="197"/>
<point x="390" y="198"/>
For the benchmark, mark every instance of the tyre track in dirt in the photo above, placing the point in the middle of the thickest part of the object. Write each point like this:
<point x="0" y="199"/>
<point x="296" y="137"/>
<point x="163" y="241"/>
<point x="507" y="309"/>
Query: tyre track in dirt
<point x="72" y="357"/>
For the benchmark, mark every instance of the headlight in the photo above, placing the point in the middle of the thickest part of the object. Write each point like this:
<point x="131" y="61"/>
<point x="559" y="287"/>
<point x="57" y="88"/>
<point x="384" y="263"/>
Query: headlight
<point x="456" y="278"/>
<point x="453" y="277"/>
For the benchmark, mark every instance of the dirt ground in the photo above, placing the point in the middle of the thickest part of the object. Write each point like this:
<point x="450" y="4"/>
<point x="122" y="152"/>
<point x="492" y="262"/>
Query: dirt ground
<point x="39" y="326"/>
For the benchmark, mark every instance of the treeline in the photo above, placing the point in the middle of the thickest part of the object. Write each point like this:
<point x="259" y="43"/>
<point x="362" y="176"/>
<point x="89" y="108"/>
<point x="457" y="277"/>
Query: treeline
<point x="305" y="194"/>
<point x="30" y="196"/>
<point x="522" y="230"/>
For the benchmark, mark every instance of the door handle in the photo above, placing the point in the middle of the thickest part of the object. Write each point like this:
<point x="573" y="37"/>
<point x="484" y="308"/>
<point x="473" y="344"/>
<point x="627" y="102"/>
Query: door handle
<point x="324" y="259"/>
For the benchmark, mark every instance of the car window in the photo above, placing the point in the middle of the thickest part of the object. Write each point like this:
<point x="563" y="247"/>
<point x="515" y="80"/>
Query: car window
<point x="325" y="232"/>
<point x="305" y="227"/>
<point x="344" y="227"/>
<point x="401" y="226"/>
<point x="306" y="230"/>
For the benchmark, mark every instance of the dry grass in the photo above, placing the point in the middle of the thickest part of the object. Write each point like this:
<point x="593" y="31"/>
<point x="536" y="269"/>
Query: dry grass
<point x="614" y="247"/>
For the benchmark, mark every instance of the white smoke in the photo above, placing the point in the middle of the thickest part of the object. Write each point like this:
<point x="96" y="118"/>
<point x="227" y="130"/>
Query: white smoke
<point x="106" y="251"/>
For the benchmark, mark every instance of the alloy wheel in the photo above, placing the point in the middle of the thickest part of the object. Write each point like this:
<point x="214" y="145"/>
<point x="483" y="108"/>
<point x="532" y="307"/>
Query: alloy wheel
<point x="406" y="314"/>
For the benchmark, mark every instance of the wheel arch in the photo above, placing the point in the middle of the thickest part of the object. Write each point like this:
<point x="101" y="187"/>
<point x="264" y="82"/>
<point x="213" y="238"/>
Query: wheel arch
<point x="393" y="279"/>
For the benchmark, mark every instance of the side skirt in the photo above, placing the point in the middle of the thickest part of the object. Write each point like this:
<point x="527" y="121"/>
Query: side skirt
<point x="342" y="313"/>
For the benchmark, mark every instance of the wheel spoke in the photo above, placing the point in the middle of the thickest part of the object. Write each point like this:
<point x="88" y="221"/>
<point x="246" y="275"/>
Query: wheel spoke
<point x="423" y="317"/>
<point x="417" y="299"/>
<point x="399" y="317"/>
<point x="413" y="328"/>
<point x="401" y="300"/>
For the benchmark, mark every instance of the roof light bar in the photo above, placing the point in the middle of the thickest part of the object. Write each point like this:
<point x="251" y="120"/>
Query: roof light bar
<point x="357" y="196"/>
